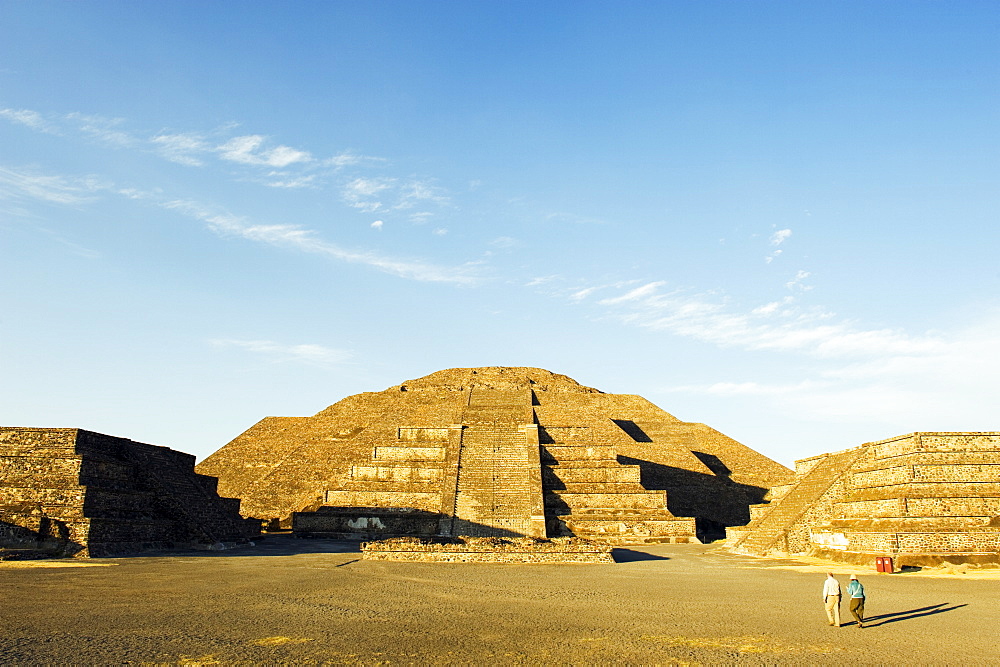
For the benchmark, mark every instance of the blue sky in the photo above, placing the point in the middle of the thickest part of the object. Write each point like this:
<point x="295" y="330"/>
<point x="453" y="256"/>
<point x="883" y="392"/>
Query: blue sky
<point x="779" y="219"/>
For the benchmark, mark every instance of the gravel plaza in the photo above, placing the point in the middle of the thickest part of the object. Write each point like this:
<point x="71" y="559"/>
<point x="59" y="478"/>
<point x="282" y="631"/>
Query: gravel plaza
<point x="300" y="601"/>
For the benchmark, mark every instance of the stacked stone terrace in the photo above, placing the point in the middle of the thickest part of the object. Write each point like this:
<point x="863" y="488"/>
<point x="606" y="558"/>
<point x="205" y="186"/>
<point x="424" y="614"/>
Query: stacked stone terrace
<point x="494" y="451"/>
<point x="922" y="497"/>
<point x="75" y="492"/>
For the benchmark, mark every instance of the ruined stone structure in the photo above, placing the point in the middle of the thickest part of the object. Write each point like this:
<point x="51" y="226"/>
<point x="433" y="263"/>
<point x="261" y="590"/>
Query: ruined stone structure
<point x="488" y="550"/>
<point x="495" y="451"/>
<point x="921" y="498"/>
<point x="73" y="492"/>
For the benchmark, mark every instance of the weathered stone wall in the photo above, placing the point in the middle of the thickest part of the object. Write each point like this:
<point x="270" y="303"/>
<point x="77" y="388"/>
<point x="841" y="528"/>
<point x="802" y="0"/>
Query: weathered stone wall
<point x="364" y="523"/>
<point x="488" y="550"/>
<point x="79" y="492"/>
<point x="918" y="496"/>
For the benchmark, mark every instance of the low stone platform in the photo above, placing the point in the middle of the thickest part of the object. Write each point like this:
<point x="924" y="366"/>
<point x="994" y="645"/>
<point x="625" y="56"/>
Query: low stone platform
<point x="487" y="550"/>
<point x="72" y="492"/>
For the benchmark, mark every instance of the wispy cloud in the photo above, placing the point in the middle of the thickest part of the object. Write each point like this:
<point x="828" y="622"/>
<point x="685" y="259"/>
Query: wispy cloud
<point x="106" y="130"/>
<point x="940" y="382"/>
<point x="777" y="238"/>
<point x="19" y="184"/>
<point x="637" y="294"/>
<point x="798" y="282"/>
<point x="248" y="150"/>
<point x="420" y="192"/>
<point x="307" y="240"/>
<point x="778" y="326"/>
<point x="29" y="118"/>
<point x="504" y="242"/>
<point x="286" y="168"/>
<point x="277" y="179"/>
<point x="281" y="352"/>
<point x="22" y="184"/>
<point x="780" y="236"/>
<point x="573" y="219"/>
<point x="361" y="193"/>
<point x="183" y="148"/>
<point x="254" y="158"/>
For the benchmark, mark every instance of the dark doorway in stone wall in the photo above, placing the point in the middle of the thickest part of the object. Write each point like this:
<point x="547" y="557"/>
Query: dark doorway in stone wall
<point x="633" y="430"/>
<point x="708" y="530"/>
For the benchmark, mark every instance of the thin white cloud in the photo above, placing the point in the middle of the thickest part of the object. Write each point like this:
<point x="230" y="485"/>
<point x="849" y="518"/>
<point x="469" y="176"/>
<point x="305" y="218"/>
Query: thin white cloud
<point x="360" y="193"/>
<point x="420" y="192"/>
<point x="247" y="150"/>
<point x="580" y="295"/>
<point x="440" y="231"/>
<point x="798" y="282"/>
<point x="730" y="389"/>
<point x="946" y="383"/>
<point x="182" y="148"/>
<point x="541" y="280"/>
<point x="345" y="159"/>
<point x="307" y="352"/>
<point x="768" y="327"/>
<point x="780" y="236"/>
<point x="777" y="238"/>
<point x="306" y="240"/>
<point x="28" y="118"/>
<point x="377" y="224"/>
<point x="103" y="129"/>
<point x="281" y="180"/>
<point x="18" y="184"/>
<point x="573" y="219"/>
<point x="504" y="242"/>
<point x="634" y="295"/>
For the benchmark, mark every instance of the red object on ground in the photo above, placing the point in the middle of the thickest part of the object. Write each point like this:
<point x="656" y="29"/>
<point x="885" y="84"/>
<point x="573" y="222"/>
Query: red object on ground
<point x="884" y="564"/>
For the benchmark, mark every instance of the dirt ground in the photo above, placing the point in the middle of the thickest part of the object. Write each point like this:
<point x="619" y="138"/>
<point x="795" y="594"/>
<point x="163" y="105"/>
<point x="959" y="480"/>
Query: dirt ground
<point x="314" y="601"/>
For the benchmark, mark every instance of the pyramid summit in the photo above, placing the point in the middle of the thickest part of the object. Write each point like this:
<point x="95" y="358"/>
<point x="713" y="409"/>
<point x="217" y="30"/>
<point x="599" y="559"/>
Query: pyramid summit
<point x="496" y="377"/>
<point x="495" y="451"/>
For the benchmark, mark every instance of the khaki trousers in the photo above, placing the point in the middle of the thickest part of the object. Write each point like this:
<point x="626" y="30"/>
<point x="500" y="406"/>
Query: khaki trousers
<point x="857" y="607"/>
<point x="833" y="609"/>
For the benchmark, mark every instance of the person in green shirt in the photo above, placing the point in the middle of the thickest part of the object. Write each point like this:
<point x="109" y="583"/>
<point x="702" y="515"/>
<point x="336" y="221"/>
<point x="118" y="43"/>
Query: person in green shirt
<point x="857" y="605"/>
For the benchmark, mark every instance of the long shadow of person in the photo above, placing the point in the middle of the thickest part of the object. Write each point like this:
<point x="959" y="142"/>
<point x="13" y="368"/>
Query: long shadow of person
<point x="896" y="616"/>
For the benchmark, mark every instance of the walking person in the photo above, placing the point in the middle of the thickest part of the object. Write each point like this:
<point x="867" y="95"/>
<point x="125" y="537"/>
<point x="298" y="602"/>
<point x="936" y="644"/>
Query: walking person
<point x="831" y="599"/>
<point x="857" y="604"/>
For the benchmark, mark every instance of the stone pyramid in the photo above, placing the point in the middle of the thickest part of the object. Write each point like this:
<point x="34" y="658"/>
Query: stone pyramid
<point x="495" y="451"/>
<point x="921" y="498"/>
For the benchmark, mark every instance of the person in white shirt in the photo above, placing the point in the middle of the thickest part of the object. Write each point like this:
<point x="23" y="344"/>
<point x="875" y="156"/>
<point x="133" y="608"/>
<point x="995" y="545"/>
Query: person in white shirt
<point x="831" y="598"/>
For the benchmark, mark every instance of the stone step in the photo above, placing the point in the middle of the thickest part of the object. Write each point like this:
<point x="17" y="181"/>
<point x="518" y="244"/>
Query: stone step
<point x="634" y="500"/>
<point x="597" y="487"/>
<point x="561" y="453"/>
<point x="393" y="453"/>
<point x="599" y="474"/>
<point x="398" y="473"/>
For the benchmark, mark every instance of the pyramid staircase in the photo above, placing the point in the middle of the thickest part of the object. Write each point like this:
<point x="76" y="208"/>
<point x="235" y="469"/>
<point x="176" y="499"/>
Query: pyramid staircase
<point x="769" y="529"/>
<point x="498" y="487"/>
<point x="589" y="494"/>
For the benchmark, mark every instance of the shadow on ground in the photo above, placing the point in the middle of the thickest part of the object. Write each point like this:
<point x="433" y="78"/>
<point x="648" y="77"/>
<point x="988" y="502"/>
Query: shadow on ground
<point x="631" y="556"/>
<point x="909" y="614"/>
